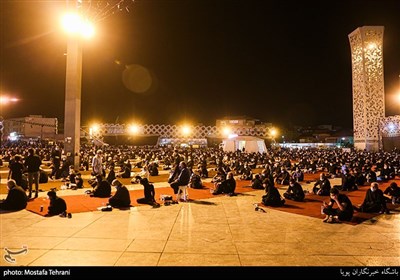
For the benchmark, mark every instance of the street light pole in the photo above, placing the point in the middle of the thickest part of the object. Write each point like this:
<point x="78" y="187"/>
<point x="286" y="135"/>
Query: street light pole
<point x="79" y="24"/>
<point x="72" y="114"/>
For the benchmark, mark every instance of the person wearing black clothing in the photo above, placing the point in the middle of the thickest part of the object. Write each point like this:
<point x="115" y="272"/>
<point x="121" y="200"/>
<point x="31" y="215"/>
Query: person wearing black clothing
<point x="324" y="186"/>
<point x="298" y="175"/>
<point x="256" y="183"/>
<point x="349" y="181"/>
<point x="16" y="170"/>
<point x="149" y="192"/>
<point x="57" y="204"/>
<point x="387" y="173"/>
<point x="283" y="177"/>
<point x="393" y="191"/>
<point x="32" y="164"/>
<point x="182" y="179"/>
<point x="227" y="186"/>
<point x="125" y="171"/>
<point x="345" y="210"/>
<point x="102" y="189"/>
<point x="272" y="196"/>
<point x="295" y="191"/>
<point x="111" y="174"/>
<point x="374" y="201"/>
<point x="371" y="175"/>
<point x="16" y="198"/>
<point x="56" y="163"/>
<point x="78" y="182"/>
<point x="195" y="181"/>
<point x="121" y="198"/>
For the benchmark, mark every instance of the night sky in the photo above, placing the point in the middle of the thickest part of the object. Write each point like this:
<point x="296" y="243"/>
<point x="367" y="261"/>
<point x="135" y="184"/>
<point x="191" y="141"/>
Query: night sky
<point x="168" y="61"/>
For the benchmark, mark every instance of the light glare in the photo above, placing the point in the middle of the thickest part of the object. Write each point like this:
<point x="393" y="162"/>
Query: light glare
<point x="74" y="24"/>
<point x="186" y="130"/>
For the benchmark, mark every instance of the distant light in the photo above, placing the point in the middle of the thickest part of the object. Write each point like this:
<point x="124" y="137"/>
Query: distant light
<point x="7" y="99"/>
<point x="233" y="135"/>
<point x="13" y="136"/>
<point x="226" y="131"/>
<point x="133" y="129"/>
<point x="273" y="132"/>
<point x="186" y="130"/>
<point x="343" y="138"/>
<point x="94" y="129"/>
<point x="391" y="126"/>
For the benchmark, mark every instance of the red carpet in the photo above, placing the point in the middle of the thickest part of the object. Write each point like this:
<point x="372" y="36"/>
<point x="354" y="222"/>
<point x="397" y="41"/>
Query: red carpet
<point x="84" y="203"/>
<point x="312" y="205"/>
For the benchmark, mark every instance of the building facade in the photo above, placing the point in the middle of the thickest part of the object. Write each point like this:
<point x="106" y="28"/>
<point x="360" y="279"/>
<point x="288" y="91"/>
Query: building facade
<point x="33" y="126"/>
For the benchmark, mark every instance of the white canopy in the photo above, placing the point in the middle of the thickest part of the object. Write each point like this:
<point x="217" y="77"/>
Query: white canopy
<point x="250" y="144"/>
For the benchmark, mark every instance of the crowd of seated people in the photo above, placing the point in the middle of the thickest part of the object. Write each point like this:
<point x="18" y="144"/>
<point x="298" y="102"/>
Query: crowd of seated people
<point x="355" y="168"/>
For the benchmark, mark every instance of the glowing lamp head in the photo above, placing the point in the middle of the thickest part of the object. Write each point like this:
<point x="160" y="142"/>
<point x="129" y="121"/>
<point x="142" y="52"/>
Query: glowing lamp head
<point x="75" y="24"/>
<point x="133" y="129"/>
<point x="226" y="131"/>
<point x="94" y="129"/>
<point x="186" y="130"/>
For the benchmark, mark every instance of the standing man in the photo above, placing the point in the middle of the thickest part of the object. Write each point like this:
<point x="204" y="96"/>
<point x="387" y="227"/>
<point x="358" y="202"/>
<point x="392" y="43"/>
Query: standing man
<point x="32" y="164"/>
<point x="97" y="164"/>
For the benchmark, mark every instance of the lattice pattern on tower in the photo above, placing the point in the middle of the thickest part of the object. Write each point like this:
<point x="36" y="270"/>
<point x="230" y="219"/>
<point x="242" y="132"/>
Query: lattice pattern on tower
<point x="368" y="85"/>
<point x="175" y="131"/>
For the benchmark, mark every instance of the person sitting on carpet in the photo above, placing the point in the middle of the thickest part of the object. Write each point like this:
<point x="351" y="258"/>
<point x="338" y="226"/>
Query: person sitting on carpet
<point x="257" y="183"/>
<point x="78" y="181"/>
<point x="295" y="191"/>
<point x="344" y="212"/>
<point x="102" y="188"/>
<point x="195" y="181"/>
<point x="272" y="196"/>
<point x="57" y="204"/>
<point x="121" y="198"/>
<point x="283" y="177"/>
<point x="16" y="198"/>
<point x="324" y="186"/>
<point x="387" y="173"/>
<point x="149" y="192"/>
<point x="392" y="193"/>
<point x="298" y="174"/>
<point x="374" y="201"/>
<point x="227" y="186"/>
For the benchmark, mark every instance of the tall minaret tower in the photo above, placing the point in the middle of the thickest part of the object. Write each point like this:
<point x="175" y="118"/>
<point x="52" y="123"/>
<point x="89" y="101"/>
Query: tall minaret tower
<point x="368" y="85"/>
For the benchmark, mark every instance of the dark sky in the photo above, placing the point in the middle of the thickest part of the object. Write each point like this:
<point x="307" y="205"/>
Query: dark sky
<point x="278" y="61"/>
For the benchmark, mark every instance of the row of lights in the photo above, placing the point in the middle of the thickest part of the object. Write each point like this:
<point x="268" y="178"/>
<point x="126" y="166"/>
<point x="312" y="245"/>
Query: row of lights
<point x="184" y="129"/>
